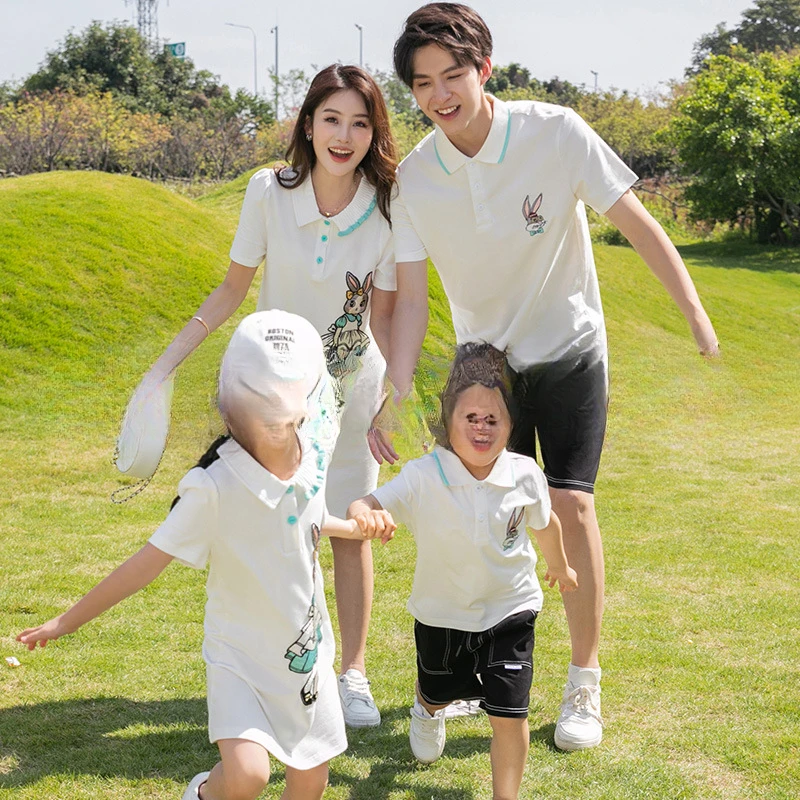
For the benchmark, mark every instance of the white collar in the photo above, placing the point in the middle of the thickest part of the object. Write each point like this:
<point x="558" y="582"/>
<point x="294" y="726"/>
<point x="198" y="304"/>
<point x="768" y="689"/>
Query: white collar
<point x="453" y="472"/>
<point x="493" y="150"/>
<point x="350" y="217"/>
<point x="308" y="478"/>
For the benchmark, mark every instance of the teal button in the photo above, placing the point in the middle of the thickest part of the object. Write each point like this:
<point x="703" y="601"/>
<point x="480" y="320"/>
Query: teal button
<point x="319" y="259"/>
<point x="290" y="490"/>
<point x="324" y="238"/>
<point x="327" y="222"/>
<point x="292" y="520"/>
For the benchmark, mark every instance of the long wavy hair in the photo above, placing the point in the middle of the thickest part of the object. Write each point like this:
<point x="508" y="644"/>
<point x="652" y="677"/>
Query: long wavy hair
<point x="378" y="164"/>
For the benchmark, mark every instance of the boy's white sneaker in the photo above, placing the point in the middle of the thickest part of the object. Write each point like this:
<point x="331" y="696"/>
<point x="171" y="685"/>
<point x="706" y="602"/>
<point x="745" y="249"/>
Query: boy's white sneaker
<point x="580" y="725"/>
<point x="358" y="704"/>
<point x="193" y="789"/>
<point x="463" y="708"/>
<point x="427" y="734"/>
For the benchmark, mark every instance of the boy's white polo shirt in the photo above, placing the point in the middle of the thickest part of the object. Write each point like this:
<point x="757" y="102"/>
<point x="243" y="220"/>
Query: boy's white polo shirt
<point x="507" y="230"/>
<point x="475" y="567"/>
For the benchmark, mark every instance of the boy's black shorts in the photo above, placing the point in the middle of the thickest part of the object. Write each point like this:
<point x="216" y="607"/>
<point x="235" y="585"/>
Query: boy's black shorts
<point x="565" y="405"/>
<point x="494" y="666"/>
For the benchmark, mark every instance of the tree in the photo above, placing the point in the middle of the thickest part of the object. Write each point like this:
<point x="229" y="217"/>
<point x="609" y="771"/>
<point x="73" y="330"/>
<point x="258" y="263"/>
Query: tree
<point x="770" y="25"/>
<point x="738" y="135"/>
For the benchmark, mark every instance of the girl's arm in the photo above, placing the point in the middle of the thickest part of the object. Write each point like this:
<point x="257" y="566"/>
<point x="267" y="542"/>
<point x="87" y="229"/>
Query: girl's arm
<point x="216" y="309"/>
<point x="552" y="546"/>
<point x="368" y="523"/>
<point x="139" y="570"/>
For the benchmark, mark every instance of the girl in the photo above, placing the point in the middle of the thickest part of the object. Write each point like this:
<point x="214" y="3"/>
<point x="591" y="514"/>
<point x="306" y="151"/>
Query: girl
<point x="475" y="614"/>
<point x="321" y="225"/>
<point x="254" y="508"/>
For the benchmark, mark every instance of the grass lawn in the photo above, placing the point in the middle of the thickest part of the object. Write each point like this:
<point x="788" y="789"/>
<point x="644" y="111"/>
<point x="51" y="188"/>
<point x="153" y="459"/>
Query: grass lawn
<point x="698" y="499"/>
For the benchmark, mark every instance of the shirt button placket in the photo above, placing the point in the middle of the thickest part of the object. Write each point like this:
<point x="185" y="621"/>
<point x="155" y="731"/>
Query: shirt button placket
<point x="321" y="250"/>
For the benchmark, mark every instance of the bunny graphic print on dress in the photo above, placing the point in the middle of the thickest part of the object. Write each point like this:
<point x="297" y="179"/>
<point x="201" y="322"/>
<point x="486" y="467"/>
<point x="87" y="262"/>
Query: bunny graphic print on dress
<point x="345" y="342"/>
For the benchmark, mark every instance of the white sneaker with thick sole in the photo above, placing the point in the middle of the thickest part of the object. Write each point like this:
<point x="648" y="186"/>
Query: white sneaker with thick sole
<point x="358" y="705"/>
<point x="463" y="708"/>
<point x="427" y="734"/>
<point x="580" y="725"/>
<point x="193" y="789"/>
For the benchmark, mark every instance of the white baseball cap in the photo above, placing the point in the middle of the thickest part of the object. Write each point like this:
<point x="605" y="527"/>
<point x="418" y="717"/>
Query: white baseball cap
<point x="276" y="356"/>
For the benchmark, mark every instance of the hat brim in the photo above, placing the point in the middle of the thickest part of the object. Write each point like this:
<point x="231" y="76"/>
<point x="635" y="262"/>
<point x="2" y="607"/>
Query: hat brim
<point x="143" y="435"/>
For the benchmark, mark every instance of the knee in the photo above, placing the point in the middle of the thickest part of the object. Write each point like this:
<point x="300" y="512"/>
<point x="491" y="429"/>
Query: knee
<point x="574" y="509"/>
<point x="246" y="784"/>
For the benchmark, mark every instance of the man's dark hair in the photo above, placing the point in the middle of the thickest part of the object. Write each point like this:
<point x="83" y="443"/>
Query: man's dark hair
<point x="453" y="27"/>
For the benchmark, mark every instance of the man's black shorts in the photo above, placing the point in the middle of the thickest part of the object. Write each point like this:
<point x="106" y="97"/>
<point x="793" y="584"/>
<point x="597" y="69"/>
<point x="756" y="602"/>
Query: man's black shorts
<point x="565" y="405"/>
<point x="494" y="666"/>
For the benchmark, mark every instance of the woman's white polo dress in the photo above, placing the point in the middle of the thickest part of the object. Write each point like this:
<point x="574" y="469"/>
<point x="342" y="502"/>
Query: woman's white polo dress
<point x="324" y="269"/>
<point x="268" y="644"/>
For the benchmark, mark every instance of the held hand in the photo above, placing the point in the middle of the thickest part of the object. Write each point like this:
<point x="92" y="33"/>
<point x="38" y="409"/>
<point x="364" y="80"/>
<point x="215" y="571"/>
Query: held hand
<point x="52" y="629"/>
<point x="567" y="580"/>
<point x="376" y="525"/>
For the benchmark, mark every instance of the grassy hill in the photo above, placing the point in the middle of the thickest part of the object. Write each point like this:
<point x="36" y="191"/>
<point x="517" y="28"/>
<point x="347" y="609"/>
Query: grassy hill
<point x="699" y="503"/>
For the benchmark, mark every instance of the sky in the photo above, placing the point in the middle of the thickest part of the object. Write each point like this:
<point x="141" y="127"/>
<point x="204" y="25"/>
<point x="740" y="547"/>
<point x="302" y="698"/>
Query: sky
<point x="630" y="45"/>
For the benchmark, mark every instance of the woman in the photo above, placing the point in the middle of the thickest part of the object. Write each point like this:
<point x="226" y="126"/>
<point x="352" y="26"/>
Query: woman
<point x="321" y="225"/>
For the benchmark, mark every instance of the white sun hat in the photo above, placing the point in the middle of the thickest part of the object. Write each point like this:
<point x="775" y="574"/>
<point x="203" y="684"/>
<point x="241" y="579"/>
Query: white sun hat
<point x="276" y="356"/>
<point x="145" y="426"/>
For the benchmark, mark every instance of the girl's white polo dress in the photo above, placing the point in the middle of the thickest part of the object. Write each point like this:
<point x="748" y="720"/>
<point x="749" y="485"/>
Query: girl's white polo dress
<point x="324" y="269"/>
<point x="268" y="646"/>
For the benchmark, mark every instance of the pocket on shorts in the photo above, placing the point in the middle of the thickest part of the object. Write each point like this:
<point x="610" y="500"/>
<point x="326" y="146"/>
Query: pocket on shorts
<point x="434" y="649"/>
<point x="511" y="641"/>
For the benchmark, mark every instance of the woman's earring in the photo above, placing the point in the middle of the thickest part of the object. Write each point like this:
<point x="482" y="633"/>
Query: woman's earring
<point x="308" y="137"/>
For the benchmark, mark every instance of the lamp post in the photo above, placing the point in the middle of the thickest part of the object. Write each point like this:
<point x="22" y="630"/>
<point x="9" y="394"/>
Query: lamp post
<point x="360" y="44"/>
<point x="595" y="80"/>
<point x="255" y="53"/>
<point x="277" y="73"/>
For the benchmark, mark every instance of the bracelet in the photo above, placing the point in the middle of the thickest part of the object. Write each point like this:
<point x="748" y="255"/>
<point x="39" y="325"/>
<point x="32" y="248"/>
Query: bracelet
<point x="204" y="324"/>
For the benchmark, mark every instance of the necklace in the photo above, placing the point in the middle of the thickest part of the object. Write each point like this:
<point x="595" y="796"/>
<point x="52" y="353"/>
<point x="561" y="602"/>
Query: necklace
<point x="350" y="195"/>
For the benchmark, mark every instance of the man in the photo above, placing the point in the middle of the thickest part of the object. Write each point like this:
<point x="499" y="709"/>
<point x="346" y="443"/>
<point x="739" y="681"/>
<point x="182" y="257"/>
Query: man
<point x="495" y="197"/>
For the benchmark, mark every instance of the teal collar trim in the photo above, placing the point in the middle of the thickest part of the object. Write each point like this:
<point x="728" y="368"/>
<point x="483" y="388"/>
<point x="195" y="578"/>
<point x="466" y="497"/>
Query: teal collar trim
<point x="447" y="172"/>
<point x="441" y="471"/>
<point x="361" y="220"/>
<point x="508" y="136"/>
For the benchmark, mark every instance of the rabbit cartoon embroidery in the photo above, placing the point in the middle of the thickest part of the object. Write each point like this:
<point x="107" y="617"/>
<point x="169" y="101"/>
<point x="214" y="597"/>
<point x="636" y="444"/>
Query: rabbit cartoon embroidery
<point x="512" y="529"/>
<point x="535" y="221"/>
<point x="345" y="341"/>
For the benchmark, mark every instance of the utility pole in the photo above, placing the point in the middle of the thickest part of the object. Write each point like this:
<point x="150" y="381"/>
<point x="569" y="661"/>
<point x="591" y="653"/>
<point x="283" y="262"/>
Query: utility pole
<point x="255" y="54"/>
<point x="277" y="73"/>
<point x="595" y="80"/>
<point x="360" y="44"/>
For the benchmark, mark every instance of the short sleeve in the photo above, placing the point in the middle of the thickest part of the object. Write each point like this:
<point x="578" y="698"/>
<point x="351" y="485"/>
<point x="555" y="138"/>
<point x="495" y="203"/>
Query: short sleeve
<point x="597" y="175"/>
<point x="250" y="243"/>
<point x="187" y="532"/>
<point x="407" y="244"/>
<point x="399" y="496"/>
<point x="538" y="507"/>
<point x="385" y="275"/>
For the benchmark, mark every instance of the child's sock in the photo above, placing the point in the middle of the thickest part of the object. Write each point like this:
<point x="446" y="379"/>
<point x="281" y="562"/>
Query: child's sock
<point x="418" y="707"/>
<point x="583" y="676"/>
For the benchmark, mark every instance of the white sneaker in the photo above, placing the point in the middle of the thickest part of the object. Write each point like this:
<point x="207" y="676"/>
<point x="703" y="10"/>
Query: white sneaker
<point x="427" y="734"/>
<point x="193" y="789"/>
<point x="358" y="705"/>
<point x="463" y="708"/>
<point x="580" y="725"/>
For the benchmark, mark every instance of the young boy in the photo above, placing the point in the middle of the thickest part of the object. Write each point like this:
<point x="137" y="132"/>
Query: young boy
<point x="475" y="614"/>
<point x="495" y="197"/>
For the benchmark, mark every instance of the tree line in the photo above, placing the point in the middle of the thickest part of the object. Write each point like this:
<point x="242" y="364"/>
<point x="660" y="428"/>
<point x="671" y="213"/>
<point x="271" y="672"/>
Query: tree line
<point x="728" y="134"/>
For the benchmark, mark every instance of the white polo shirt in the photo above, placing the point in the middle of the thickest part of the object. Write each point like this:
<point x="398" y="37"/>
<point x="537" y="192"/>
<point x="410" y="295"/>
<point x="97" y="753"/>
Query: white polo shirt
<point x="507" y="231"/>
<point x="475" y="562"/>
<point x="256" y="532"/>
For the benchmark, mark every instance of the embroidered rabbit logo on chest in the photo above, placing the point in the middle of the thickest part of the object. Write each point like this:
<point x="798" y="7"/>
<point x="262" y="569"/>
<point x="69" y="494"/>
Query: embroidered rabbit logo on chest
<point x="534" y="221"/>
<point x="512" y="528"/>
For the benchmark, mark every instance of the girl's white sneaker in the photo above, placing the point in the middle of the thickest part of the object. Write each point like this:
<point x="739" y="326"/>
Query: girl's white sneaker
<point x="193" y="789"/>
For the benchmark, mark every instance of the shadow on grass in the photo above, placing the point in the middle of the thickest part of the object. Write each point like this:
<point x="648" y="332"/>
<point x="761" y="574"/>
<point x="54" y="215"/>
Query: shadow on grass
<point x="117" y="737"/>
<point x="743" y="255"/>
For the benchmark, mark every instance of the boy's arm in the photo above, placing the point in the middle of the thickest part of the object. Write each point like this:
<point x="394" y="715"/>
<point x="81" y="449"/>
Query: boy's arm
<point x="131" y="576"/>
<point x="552" y="546"/>
<point x="409" y="323"/>
<point x="654" y="246"/>
<point x="369" y="522"/>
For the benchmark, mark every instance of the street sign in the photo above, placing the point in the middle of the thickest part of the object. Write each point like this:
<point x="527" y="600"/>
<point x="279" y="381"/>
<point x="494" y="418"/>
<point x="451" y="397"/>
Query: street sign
<point x="178" y="50"/>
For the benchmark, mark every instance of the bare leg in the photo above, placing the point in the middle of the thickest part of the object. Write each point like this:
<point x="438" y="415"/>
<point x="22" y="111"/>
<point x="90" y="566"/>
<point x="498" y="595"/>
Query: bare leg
<point x="353" y="582"/>
<point x="242" y="773"/>
<point x="584" y="549"/>
<point x="305" y="784"/>
<point x="509" y="752"/>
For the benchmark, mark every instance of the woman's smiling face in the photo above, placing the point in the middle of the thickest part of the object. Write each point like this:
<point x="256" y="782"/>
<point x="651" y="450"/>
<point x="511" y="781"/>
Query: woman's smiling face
<point x="341" y="132"/>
